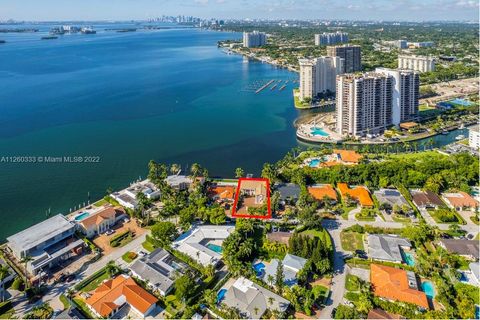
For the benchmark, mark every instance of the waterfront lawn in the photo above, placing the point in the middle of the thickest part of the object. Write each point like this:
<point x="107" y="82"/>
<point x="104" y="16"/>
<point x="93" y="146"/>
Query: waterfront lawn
<point x="352" y="283"/>
<point x="100" y="203"/>
<point x="351" y="241"/>
<point x="300" y="104"/>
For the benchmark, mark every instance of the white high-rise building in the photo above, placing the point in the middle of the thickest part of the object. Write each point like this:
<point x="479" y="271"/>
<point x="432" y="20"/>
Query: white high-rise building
<point x="405" y="94"/>
<point x="474" y="137"/>
<point x="254" y="39"/>
<point x="364" y="103"/>
<point x="319" y="75"/>
<point x="417" y="63"/>
<point x="329" y="38"/>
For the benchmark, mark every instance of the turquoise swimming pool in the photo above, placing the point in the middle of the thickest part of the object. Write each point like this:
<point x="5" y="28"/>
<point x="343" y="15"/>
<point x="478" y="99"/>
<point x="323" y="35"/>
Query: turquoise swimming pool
<point x="318" y="132"/>
<point x="214" y="247"/>
<point x="221" y="295"/>
<point x="81" y="216"/>
<point x="314" y="163"/>
<point x="259" y="268"/>
<point x="427" y="287"/>
<point x="408" y="258"/>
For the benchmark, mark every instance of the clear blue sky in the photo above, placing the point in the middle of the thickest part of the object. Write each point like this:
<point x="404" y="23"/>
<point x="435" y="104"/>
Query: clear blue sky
<point x="306" y="9"/>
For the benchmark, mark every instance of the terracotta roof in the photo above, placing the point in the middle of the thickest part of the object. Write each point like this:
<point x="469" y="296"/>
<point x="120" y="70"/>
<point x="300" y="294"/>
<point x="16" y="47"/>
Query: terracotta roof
<point x="104" y="299"/>
<point x="392" y="283"/>
<point x="100" y="216"/>
<point x="260" y="187"/>
<point x="359" y="193"/>
<point x="461" y="199"/>
<point x="408" y="125"/>
<point x="319" y="192"/>
<point x="382" y="314"/>
<point x="223" y="192"/>
<point x="348" y="155"/>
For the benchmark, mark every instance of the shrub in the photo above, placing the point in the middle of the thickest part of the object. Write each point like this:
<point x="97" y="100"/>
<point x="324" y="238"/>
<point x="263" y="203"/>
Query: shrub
<point x="119" y="239"/>
<point x="5" y="306"/>
<point x="17" y="284"/>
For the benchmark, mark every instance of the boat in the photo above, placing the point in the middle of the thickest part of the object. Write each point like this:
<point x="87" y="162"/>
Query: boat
<point x="88" y="30"/>
<point x="460" y="137"/>
<point x="49" y="38"/>
<point x="462" y="126"/>
<point x="444" y="132"/>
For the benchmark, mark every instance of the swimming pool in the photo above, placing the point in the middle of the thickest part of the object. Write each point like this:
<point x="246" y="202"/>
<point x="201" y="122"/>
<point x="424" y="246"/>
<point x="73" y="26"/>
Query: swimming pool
<point x="314" y="163"/>
<point x="427" y="287"/>
<point x="408" y="258"/>
<point x="214" y="247"/>
<point x="477" y="312"/>
<point x="81" y="216"/>
<point x="318" y="132"/>
<point x="461" y="102"/>
<point x="259" y="268"/>
<point x="221" y="295"/>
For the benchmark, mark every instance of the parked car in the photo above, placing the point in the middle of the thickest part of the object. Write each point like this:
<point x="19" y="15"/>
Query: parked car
<point x="109" y="232"/>
<point x="70" y="278"/>
<point x="470" y="236"/>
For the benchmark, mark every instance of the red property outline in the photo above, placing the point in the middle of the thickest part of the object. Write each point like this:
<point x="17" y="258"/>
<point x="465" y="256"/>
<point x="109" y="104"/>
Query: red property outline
<point x="237" y="193"/>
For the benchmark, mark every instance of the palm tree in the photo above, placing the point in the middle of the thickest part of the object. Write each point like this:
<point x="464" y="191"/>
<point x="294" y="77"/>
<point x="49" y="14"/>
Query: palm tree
<point x="25" y="261"/>
<point x="174" y="168"/>
<point x="195" y="169"/>
<point x="3" y="275"/>
<point x="239" y="173"/>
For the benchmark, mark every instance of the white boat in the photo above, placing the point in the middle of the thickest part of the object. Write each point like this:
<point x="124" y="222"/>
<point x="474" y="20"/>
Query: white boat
<point x="460" y="137"/>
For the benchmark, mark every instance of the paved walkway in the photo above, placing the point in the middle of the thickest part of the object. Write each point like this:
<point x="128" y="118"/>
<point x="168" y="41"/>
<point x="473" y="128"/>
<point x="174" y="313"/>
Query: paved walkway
<point x="353" y="212"/>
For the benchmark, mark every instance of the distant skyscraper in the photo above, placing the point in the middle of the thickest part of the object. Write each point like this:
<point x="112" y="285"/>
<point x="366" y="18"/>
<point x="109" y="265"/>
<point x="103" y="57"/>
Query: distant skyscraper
<point x="351" y="56"/>
<point x="331" y="38"/>
<point x="405" y="94"/>
<point x="254" y="39"/>
<point x="318" y="75"/>
<point x="417" y="63"/>
<point x="364" y="103"/>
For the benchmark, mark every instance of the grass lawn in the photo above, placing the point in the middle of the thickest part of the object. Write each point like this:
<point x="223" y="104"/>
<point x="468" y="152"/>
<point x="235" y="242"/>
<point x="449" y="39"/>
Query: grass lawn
<point x="346" y="211"/>
<point x="459" y="219"/>
<point x="400" y="218"/>
<point x="8" y="314"/>
<point x="64" y="300"/>
<point x="351" y="241"/>
<point x="299" y="104"/>
<point x="364" y="218"/>
<point x="100" y="203"/>
<point x="148" y="246"/>
<point x="83" y="308"/>
<point x="92" y="285"/>
<point x="474" y="220"/>
<point x="352" y="283"/>
<point x="129" y="256"/>
<point x="477" y="237"/>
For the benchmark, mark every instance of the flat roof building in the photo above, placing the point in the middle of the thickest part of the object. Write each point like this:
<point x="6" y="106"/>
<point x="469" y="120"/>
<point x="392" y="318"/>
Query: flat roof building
<point x="386" y="247"/>
<point x="416" y="63"/>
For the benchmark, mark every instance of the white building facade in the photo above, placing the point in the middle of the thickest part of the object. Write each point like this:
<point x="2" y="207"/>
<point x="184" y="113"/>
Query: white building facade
<point x="405" y="94"/>
<point x="254" y="39"/>
<point x="319" y="75"/>
<point x="329" y="38"/>
<point x="363" y="104"/>
<point x="474" y="138"/>
<point x="416" y="63"/>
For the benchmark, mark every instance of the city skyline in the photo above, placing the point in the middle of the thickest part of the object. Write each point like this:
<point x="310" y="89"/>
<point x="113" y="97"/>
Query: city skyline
<point x="404" y="10"/>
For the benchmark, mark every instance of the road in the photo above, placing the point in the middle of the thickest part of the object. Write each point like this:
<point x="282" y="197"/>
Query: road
<point x="52" y="296"/>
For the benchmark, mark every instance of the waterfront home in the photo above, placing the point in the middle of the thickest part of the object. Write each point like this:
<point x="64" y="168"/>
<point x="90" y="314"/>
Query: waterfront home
<point x="203" y="243"/>
<point x="291" y="267"/>
<point x="46" y="243"/>
<point x="289" y="193"/>
<point x="460" y="200"/>
<point x="116" y="293"/>
<point x="396" y="285"/>
<point x="387" y="247"/>
<point x="255" y="189"/>
<point x="360" y="194"/>
<point x="251" y="299"/>
<point x="426" y="199"/>
<point x="465" y="248"/>
<point x="101" y="221"/>
<point x="159" y="270"/>
<point x="128" y="197"/>
<point x="321" y="192"/>
<point x="221" y="193"/>
<point x="342" y="157"/>
<point x="391" y="197"/>
<point x="182" y="182"/>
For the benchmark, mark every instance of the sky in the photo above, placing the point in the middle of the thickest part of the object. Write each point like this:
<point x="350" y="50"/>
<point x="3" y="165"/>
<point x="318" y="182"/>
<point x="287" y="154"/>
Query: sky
<point x="410" y="10"/>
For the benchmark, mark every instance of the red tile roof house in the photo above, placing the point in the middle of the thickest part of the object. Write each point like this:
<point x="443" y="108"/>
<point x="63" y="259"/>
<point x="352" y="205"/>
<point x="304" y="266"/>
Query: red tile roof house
<point x="101" y="221"/>
<point x="115" y="293"/>
<point x="426" y="199"/>
<point x="460" y="201"/>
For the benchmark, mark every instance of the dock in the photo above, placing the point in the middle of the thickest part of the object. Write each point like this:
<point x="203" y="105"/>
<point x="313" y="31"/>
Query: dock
<point x="264" y="86"/>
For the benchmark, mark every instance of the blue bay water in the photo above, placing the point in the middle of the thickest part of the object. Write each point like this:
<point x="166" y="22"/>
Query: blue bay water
<point x="169" y="95"/>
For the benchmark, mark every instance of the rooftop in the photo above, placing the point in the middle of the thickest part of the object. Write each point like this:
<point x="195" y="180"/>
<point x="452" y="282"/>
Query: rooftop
<point x="386" y="247"/>
<point x="426" y="198"/>
<point x="288" y="190"/>
<point x="321" y="191"/>
<point x="348" y="155"/>
<point x="291" y="266"/>
<point x="390" y="196"/>
<point x="395" y="284"/>
<point x="358" y="193"/>
<point x="102" y="215"/>
<point x="460" y="199"/>
<point x="41" y="232"/>
<point x="462" y="246"/>
<point x="223" y="192"/>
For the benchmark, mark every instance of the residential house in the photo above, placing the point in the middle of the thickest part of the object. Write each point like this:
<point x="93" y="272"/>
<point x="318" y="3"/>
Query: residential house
<point x="204" y="243"/>
<point x="101" y="221"/>
<point x="159" y="270"/>
<point x="289" y="193"/>
<point x="115" y="293"/>
<point x="279" y="236"/>
<point x="382" y="314"/>
<point x="254" y="188"/>
<point x="387" y="247"/>
<point x="321" y="192"/>
<point x="465" y="248"/>
<point x="392" y="197"/>
<point x="182" y="182"/>
<point x="291" y="267"/>
<point x="460" y="200"/>
<point x="251" y="299"/>
<point x="359" y="194"/>
<point x="396" y="285"/>
<point x="128" y="197"/>
<point x="426" y="199"/>
<point x="46" y="243"/>
<point x="222" y="193"/>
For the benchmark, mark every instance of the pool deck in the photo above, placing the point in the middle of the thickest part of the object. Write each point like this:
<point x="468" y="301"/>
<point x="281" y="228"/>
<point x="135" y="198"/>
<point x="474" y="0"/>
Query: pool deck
<point x="304" y="132"/>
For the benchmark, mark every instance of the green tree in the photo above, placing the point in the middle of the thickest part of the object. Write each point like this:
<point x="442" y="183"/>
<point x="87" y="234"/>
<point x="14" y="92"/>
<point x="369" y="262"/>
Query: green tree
<point x="279" y="277"/>
<point x="163" y="233"/>
<point x="3" y="274"/>
<point x="239" y="173"/>
<point x="184" y="286"/>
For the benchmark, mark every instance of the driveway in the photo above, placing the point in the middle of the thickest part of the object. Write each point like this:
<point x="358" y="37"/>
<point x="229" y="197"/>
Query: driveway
<point x="353" y="212"/>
